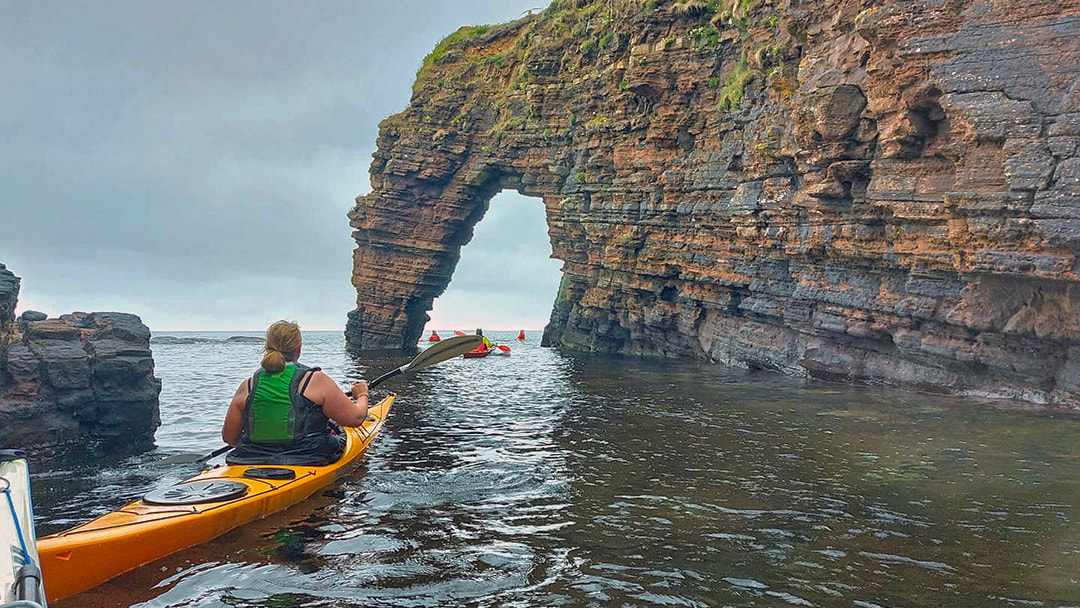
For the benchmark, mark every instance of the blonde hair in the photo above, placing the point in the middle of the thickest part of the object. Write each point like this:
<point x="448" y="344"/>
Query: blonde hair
<point x="282" y="346"/>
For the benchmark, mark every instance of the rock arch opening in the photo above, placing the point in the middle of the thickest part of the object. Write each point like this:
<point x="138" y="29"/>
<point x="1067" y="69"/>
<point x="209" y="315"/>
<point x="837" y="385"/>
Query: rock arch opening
<point x="505" y="278"/>
<point x="411" y="230"/>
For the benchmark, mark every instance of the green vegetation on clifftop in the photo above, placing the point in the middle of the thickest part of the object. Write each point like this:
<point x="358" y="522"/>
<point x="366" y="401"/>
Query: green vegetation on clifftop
<point x="462" y="35"/>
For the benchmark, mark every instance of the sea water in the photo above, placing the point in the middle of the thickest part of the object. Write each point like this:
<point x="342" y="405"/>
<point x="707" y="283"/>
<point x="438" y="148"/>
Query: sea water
<point x="555" y="479"/>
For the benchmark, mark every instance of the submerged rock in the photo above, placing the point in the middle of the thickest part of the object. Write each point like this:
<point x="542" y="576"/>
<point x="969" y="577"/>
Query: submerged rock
<point x="169" y="340"/>
<point x="78" y="379"/>
<point x="245" y="340"/>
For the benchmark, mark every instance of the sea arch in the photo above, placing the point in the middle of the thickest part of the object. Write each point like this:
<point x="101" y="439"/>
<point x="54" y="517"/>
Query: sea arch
<point x="409" y="242"/>
<point x="789" y="186"/>
<point x="500" y="108"/>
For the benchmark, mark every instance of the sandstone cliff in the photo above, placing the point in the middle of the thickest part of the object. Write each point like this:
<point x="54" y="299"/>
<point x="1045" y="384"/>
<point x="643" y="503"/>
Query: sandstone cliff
<point x="868" y="191"/>
<point x="82" y="378"/>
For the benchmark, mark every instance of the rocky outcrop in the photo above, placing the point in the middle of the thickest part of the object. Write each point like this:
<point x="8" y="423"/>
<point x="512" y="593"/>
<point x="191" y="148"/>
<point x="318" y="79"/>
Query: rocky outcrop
<point x="81" y="378"/>
<point x="876" y="192"/>
<point x="9" y="297"/>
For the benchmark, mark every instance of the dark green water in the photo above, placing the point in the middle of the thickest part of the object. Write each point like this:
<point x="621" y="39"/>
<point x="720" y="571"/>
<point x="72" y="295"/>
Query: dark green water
<point x="544" y="479"/>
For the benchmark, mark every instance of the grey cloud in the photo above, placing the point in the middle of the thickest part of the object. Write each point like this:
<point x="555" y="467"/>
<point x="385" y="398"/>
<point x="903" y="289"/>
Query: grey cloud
<point x="180" y="158"/>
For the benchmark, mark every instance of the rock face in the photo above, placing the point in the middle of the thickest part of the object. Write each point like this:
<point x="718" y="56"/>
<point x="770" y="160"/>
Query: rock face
<point x="82" y="377"/>
<point x="9" y="297"/>
<point x="875" y="192"/>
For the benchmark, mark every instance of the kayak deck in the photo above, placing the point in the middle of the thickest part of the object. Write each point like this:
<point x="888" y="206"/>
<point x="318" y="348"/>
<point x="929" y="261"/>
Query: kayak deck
<point x="83" y="557"/>
<point x="18" y="561"/>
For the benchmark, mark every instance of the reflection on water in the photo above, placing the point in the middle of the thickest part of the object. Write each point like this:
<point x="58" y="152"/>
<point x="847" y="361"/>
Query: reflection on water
<point x="545" y="479"/>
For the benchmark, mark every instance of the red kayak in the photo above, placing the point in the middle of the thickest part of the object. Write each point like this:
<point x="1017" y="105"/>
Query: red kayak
<point x="477" y="353"/>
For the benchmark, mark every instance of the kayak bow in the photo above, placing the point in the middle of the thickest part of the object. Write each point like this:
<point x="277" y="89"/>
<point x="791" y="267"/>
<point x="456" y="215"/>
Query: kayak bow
<point x="189" y="513"/>
<point x="20" y="578"/>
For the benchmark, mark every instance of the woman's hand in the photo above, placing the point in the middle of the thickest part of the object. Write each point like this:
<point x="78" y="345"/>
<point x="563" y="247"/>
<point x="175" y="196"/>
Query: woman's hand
<point x="359" y="390"/>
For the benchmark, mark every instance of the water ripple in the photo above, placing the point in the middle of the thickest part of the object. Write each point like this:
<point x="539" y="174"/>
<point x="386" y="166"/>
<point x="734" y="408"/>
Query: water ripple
<point x="545" y="479"/>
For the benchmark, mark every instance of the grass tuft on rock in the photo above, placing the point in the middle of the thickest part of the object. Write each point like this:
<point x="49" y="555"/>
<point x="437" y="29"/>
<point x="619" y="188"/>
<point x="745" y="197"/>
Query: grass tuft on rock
<point x="735" y="88"/>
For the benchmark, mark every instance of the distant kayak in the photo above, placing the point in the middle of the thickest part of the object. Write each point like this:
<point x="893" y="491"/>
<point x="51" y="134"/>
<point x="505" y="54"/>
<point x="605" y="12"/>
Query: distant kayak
<point x="20" y="573"/>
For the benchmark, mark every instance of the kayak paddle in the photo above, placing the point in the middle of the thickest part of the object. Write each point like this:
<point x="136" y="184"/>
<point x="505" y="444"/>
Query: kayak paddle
<point x="447" y="349"/>
<point x="193" y="458"/>
<point x="441" y="351"/>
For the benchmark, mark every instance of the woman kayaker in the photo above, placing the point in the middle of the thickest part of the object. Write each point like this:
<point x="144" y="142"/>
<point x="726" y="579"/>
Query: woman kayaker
<point x="487" y="343"/>
<point x="282" y="414"/>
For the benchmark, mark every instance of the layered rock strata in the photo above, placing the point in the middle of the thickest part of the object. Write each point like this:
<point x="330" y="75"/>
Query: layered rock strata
<point x="9" y="298"/>
<point x="82" y="378"/>
<point x="876" y="192"/>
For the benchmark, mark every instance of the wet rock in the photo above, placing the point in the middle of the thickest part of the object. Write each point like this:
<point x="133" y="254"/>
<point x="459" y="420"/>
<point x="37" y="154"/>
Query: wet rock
<point x="82" y="378"/>
<point x="887" y="195"/>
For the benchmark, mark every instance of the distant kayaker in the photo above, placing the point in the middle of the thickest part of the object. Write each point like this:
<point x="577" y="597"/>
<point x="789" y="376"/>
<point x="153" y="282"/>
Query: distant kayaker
<point x="487" y="343"/>
<point x="282" y="414"/>
<point x="434" y="337"/>
<point x="521" y="335"/>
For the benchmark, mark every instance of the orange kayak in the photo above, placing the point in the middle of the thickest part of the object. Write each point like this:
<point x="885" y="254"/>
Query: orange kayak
<point x="189" y="513"/>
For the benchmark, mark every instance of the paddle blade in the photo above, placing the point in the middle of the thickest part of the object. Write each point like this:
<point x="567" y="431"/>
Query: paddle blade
<point x="182" y="459"/>
<point x="441" y="351"/>
<point x="503" y="348"/>
<point x="459" y="333"/>
<point x="447" y="349"/>
<point x="194" y="458"/>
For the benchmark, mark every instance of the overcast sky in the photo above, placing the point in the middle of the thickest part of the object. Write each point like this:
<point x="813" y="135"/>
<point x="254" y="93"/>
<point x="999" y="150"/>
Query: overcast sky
<point x="193" y="162"/>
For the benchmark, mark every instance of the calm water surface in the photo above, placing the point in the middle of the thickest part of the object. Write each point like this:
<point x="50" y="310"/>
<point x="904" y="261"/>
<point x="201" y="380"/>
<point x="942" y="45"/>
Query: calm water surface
<point x="547" y="479"/>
